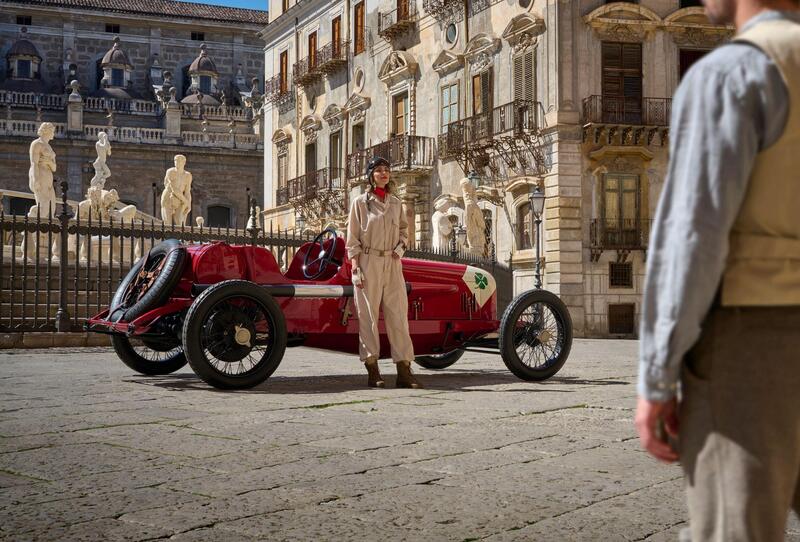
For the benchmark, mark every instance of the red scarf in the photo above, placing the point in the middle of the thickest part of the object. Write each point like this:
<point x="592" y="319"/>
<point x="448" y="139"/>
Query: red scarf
<point x="380" y="192"/>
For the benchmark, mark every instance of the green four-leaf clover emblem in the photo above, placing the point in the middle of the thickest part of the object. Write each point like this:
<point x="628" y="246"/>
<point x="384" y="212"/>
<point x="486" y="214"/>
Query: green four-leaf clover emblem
<point x="481" y="281"/>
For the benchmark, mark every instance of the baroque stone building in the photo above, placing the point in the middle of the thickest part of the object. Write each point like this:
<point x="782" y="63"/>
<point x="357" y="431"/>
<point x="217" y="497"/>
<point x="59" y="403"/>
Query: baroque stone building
<point x="574" y="96"/>
<point x="160" y="77"/>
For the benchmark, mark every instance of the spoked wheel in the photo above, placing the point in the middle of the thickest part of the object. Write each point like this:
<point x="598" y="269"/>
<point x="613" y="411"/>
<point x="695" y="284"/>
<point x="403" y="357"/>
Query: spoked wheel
<point x="439" y="361"/>
<point x="148" y="357"/>
<point x="234" y="335"/>
<point x="535" y="335"/>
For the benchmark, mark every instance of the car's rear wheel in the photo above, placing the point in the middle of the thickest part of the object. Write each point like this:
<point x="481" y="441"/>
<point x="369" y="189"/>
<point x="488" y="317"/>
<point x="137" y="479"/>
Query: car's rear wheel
<point x="535" y="335"/>
<point x="439" y="361"/>
<point x="148" y="358"/>
<point x="234" y="335"/>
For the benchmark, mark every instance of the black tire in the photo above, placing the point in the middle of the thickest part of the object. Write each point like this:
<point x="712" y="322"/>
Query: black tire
<point x="439" y="361"/>
<point x="145" y="360"/>
<point x="545" y="340"/>
<point x="175" y="257"/>
<point x="211" y="334"/>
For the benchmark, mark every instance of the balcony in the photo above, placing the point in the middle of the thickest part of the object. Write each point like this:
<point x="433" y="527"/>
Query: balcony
<point x="393" y="24"/>
<point x="333" y="57"/>
<point x="442" y="9"/>
<point x="306" y="71"/>
<point x="632" y="119"/>
<point x="413" y="154"/>
<point x="277" y="90"/>
<point x="514" y="119"/>
<point x="311" y="186"/>
<point x="622" y="235"/>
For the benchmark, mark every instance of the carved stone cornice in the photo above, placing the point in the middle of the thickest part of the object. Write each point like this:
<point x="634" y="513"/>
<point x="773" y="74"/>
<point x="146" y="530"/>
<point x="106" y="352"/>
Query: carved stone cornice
<point x="704" y="37"/>
<point x="447" y="62"/>
<point x="522" y="32"/>
<point x="334" y="116"/>
<point x="310" y="126"/>
<point x="480" y="52"/>
<point x="618" y="159"/>
<point x="356" y="107"/>
<point x="398" y="66"/>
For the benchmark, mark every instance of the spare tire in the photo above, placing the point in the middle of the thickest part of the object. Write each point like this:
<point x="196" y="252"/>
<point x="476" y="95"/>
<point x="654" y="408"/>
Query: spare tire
<point x="150" y="281"/>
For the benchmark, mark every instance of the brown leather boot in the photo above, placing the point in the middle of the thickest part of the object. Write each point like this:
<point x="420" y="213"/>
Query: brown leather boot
<point x="374" y="378"/>
<point x="404" y="377"/>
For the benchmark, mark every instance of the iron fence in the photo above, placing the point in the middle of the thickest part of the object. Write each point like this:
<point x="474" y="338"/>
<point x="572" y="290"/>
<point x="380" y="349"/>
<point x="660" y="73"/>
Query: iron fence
<point x="394" y="21"/>
<point x="332" y="56"/>
<point x="57" y="271"/>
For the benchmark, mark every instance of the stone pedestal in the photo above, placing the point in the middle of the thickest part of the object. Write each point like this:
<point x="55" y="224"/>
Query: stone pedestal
<point x="172" y="123"/>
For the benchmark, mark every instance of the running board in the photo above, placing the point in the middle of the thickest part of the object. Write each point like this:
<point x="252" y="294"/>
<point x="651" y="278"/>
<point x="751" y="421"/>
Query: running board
<point x="298" y="290"/>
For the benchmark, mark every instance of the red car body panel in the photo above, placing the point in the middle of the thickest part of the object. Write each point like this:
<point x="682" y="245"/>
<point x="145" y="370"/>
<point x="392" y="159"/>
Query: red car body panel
<point x="443" y="310"/>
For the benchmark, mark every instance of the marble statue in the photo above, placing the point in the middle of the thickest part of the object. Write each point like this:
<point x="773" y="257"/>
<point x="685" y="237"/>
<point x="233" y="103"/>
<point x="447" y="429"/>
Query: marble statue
<point x="101" y="171"/>
<point x="200" y="221"/>
<point x="40" y="175"/>
<point x="473" y="219"/>
<point x="102" y="204"/>
<point x="176" y="199"/>
<point x="440" y="221"/>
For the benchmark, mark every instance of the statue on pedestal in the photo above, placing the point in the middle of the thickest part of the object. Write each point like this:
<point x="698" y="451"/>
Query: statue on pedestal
<point x="473" y="218"/>
<point x="176" y="199"/>
<point x="101" y="171"/>
<point x="40" y="175"/>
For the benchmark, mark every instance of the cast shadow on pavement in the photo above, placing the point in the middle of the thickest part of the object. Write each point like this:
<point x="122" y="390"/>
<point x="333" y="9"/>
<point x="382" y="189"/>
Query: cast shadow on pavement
<point x="472" y="381"/>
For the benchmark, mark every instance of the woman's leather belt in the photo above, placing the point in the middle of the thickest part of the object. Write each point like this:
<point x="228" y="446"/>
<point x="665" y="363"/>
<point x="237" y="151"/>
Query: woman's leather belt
<point x="376" y="252"/>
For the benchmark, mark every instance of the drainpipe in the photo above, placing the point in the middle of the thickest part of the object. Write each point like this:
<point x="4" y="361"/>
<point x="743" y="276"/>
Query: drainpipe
<point x="298" y="104"/>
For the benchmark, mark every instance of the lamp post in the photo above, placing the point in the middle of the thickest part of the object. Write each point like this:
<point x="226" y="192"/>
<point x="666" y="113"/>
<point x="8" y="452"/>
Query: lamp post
<point x="474" y="178"/>
<point x="536" y="197"/>
<point x="155" y="196"/>
<point x="300" y="223"/>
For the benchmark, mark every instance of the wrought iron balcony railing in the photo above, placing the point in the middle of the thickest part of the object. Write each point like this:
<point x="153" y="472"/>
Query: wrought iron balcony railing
<point x="514" y="118"/>
<point x="278" y="89"/>
<point x="627" y="111"/>
<point x="404" y="152"/>
<point x="306" y="71"/>
<point x="310" y="185"/>
<point x="393" y="23"/>
<point x="619" y="234"/>
<point x="333" y="56"/>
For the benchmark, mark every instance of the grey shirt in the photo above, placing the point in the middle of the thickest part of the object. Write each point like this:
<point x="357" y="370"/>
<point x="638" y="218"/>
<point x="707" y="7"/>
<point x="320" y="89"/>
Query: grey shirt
<point x="730" y="105"/>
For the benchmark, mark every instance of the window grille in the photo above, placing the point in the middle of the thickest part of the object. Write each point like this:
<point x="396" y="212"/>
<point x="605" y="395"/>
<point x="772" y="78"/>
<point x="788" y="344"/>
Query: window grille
<point x="621" y="319"/>
<point x="620" y="275"/>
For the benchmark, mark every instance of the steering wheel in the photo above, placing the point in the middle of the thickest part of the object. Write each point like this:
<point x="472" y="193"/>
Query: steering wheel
<point x="323" y="258"/>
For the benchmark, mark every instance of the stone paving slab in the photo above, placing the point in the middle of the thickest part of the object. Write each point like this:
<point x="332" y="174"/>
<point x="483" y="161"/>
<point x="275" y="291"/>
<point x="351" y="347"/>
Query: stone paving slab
<point x="90" y="450"/>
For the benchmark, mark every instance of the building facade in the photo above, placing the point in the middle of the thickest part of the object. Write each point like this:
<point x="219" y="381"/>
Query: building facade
<point x="570" y="96"/>
<point x="160" y="78"/>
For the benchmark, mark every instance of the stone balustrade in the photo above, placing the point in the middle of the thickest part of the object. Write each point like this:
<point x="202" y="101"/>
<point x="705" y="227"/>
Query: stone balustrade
<point x="215" y="112"/>
<point x="27" y="127"/>
<point x="133" y="107"/>
<point x="32" y="99"/>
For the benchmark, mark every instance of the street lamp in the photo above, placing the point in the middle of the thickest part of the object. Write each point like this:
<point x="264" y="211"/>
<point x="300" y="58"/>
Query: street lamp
<point x="474" y="178"/>
<point x="300" y="222"/>
<point x="155" y="197"/>
<point x="536" y="197"/>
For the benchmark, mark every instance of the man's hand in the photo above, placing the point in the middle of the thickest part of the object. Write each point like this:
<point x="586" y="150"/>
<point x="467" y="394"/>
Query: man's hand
<point x="650" y="415"/>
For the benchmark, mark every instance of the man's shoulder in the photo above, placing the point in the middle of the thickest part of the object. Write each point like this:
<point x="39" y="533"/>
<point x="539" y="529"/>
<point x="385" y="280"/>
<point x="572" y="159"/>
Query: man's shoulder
<point x="727" y="59"/>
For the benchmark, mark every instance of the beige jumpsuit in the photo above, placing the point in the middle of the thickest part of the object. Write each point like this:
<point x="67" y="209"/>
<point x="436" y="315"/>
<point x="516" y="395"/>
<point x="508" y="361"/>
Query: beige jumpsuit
<point x="374" y="229"/>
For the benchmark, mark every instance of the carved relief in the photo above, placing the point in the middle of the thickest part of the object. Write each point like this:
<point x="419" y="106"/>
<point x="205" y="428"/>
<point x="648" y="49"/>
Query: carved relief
<point x="398" y="66"/>
<point x="705" y="38"/>
<point x="480" y="52"/>
<point x="447" y="62"/>
<point x="334" y="116"/>
<point x="356" y="107"/>
<point x="522" y="31"/>
<point x="310" y="127"/>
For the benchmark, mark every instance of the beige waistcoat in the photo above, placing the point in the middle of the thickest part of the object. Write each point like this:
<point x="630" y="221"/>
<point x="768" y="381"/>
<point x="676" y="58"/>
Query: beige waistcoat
<point x="763" y="266"/>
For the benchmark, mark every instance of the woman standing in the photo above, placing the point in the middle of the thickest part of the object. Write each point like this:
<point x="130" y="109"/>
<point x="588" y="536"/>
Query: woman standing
<point x="377" y="235"/>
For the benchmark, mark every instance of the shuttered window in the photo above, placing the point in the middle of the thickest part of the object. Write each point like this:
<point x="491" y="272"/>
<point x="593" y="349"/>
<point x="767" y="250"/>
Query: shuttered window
<point x="336" y="33"/>
<point x="482" y="93"/>
<point x="312" y="49"/>
<point x="284" y="71"/>
<point x="525" y="76"/>
<point x="622" y="82"/>
<point x="358" y="30"/>
<point x="400" y="125"/>
<point x="283" y="170"/>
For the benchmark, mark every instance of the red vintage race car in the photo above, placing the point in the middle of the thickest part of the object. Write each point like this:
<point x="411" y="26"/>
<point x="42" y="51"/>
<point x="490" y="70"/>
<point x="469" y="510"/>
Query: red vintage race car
<point x="230" y="312"/>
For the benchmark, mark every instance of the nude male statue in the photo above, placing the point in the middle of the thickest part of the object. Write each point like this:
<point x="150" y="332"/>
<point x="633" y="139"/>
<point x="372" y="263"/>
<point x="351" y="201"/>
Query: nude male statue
<point x="176" y="199"/>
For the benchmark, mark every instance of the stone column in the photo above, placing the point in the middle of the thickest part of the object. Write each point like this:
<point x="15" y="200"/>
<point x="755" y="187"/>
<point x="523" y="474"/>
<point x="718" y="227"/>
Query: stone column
<point x="75" y="110"/>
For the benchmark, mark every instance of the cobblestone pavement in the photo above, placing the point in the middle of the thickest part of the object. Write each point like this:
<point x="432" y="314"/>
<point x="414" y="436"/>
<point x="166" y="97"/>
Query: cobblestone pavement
<point x="91" y="451"/>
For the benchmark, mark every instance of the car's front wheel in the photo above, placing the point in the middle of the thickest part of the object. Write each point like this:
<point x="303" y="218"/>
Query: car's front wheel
<point x="535" y="335"/>
<point x="234" y="335"/>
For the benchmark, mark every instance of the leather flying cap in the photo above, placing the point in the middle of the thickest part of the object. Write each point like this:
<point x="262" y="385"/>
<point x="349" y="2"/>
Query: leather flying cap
<point x="373" y="163"/>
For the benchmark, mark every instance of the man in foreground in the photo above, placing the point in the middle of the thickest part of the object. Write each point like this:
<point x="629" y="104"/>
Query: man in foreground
<point x="721" y="308"/>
